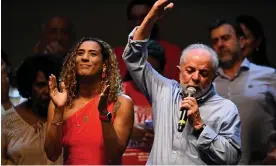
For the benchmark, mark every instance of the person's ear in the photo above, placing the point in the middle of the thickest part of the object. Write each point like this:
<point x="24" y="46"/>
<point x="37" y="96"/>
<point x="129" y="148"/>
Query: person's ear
<point x="178" y="72"/>
<point x="178" y="69"/>
<point x="242" y="42"/>
<point x="215" y="76"/>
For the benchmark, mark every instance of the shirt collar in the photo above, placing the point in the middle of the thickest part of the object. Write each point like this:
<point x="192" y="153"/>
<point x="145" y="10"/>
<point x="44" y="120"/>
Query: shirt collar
<point x="210" y="93"/>
<point x="245" y="65"/>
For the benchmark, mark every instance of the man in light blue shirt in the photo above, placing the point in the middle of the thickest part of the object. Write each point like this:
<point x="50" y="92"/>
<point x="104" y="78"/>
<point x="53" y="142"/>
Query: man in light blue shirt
<point x="212" y="135"/>
<point x="252" y="88"/>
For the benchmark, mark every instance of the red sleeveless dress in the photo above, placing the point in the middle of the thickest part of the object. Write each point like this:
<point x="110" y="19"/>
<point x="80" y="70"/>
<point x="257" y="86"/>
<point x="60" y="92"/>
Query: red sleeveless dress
<point x="83" y="141"/>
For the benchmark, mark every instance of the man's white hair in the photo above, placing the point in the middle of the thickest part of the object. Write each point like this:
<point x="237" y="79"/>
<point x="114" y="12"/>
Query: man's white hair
<point x="213" y="54"/>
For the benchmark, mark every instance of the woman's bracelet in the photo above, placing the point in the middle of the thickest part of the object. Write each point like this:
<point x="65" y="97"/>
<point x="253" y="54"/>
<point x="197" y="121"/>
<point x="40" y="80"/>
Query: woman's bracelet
<point x="57" y="123"/>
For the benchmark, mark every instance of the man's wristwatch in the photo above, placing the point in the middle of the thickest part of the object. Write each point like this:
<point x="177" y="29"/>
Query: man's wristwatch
<point x="105" y="116"/>
<point x="199" y="131"/>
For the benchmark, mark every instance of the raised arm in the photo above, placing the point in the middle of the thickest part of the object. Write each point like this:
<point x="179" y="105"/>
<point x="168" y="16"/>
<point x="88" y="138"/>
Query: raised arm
<point x="116" y="135"/>
<point x="157" y="11"/>
<point x="5" y="99"/>
<point x="53" y="140"/>
<point x="135" y="55"/>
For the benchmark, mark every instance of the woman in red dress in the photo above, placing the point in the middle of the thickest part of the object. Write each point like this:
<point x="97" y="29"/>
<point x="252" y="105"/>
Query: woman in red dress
<point x="89" y="118"/>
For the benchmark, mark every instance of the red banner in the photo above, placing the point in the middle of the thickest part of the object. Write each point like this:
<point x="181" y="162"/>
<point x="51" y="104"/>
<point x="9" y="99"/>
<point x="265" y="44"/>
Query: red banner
<point x="135" y="157"/>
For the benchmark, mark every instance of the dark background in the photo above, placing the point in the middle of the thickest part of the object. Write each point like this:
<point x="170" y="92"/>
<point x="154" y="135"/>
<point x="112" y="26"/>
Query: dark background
<point x="106" y="19"/>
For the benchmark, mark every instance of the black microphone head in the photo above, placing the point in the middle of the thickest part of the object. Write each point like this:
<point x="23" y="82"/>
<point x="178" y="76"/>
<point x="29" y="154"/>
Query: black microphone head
<point x="190" y="91"/>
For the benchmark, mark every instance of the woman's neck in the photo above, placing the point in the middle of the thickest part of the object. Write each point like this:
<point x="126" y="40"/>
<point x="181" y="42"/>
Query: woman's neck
<point x="89" y="88"/>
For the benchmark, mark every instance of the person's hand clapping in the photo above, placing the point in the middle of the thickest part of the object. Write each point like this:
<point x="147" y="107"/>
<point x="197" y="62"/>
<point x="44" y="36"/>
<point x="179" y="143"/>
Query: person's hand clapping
<point x="59" y="98"/>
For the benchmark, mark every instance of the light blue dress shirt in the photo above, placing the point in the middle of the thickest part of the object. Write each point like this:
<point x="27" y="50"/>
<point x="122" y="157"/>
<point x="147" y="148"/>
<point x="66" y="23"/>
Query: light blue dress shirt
<point x="219" y="142"/>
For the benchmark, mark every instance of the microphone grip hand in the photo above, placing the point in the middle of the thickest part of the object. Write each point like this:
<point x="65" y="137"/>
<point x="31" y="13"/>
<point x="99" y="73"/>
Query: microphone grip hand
<point x="187" y="106"/>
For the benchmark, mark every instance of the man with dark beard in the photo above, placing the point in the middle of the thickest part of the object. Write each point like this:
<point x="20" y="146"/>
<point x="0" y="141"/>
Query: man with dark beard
<point x="252" y="88"/>
<point x="23" y="127"/>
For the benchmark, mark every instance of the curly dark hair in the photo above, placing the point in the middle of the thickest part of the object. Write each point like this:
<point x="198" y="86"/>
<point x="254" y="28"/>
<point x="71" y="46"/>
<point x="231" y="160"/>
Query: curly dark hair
<point x="112" y="73"/>
<point x="27" y="71"/>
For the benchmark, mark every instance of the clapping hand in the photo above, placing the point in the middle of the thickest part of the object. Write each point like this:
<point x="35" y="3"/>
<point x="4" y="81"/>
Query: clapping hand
<point x="59" y="98"/>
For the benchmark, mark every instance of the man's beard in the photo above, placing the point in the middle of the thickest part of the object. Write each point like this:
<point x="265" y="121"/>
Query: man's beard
<point x="199" y="90"/>
<point x="227" y="64"/>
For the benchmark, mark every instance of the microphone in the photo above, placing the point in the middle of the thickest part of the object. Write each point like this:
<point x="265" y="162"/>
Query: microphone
<point x="183" y="117"/>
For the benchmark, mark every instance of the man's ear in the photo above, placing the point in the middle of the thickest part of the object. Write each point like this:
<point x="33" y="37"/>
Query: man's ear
<point x="178" y="69"/>
<point x="215" y="76"/>
<point x="178" y="72"/>
<point x="242" y="42"/>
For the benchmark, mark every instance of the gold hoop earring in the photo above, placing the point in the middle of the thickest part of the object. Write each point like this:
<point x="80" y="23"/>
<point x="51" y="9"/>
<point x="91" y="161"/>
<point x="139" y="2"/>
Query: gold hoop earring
<point x="104" y="72"/>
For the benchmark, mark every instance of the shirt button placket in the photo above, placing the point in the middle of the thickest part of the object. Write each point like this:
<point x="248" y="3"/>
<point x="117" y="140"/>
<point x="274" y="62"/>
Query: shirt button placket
<point x="176" y="145"/>
<point x="229" y="90"/>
